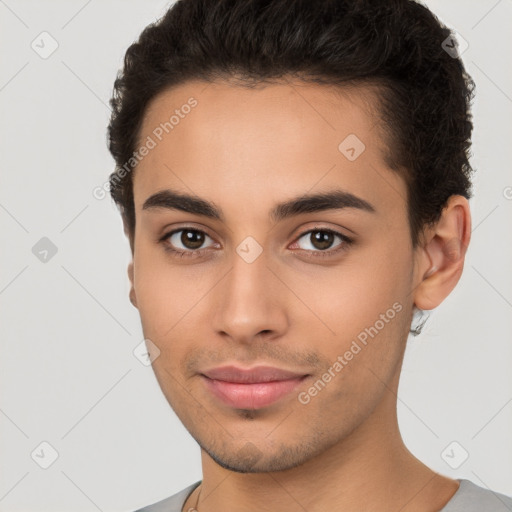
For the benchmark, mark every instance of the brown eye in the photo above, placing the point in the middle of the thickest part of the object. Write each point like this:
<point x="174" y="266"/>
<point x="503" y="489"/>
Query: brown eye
<point x="187" y="240"/>
<point x="320" y="240"/>
<point x="192" y="239"/>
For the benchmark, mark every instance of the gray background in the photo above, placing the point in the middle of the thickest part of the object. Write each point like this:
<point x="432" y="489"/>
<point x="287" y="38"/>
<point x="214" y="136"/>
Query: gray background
<point x="68" y="331"/>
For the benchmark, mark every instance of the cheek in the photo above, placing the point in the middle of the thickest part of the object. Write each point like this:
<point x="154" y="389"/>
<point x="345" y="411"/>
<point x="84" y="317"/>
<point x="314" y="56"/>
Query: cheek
<point x="353" y="296"/>
<point x="166" y="294"/>
<point x="364" y="358"/>
<point x="363" y="306"/>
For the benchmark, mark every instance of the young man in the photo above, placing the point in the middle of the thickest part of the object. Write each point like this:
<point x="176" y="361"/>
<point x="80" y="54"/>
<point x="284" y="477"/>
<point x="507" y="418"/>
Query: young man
<point x="293" y="179"/>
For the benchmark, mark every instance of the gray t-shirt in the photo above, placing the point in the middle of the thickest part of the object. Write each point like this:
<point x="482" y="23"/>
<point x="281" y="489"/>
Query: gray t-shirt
<point x="468" y="498"/>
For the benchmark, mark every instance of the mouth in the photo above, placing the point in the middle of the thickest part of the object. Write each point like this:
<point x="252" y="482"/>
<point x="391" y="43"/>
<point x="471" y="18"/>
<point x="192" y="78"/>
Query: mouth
<point x="253" y="388"/>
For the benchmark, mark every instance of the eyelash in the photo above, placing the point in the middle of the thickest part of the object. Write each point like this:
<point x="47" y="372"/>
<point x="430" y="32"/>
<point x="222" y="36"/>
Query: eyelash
<point x="346" y="243"/>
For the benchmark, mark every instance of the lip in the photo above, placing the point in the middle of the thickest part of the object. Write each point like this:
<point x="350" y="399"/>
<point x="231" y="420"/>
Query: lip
<point x="253" y="375"/>
<point x="252" y="388"/>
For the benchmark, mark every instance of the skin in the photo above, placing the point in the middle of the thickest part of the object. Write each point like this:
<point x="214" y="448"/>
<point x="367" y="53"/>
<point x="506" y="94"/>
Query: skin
<point x="246" y="150"/>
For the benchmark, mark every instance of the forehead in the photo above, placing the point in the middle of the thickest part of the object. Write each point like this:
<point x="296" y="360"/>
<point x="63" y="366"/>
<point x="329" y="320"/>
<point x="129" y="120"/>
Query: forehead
<point x="230" y="143"/>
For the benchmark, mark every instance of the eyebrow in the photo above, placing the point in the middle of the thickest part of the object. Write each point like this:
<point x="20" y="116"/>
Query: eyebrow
<point x="307" y="203"/>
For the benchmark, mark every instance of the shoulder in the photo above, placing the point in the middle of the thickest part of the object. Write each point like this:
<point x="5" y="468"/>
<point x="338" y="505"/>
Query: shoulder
<point x="473" y="498"/>
<point x="172" y="504"/>
<point x="468" y="498"/>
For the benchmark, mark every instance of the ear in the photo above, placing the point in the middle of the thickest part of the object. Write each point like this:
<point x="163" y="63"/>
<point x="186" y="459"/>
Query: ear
<point x="126" y="228"/>
<point x="132" y="295"/>
<point x="440" y="260"/>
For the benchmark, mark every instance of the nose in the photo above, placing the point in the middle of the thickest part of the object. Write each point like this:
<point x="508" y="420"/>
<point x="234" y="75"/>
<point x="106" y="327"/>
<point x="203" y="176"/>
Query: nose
<point x="250" y="302"/>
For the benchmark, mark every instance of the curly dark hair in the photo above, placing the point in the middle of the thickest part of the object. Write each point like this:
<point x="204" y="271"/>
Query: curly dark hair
<point x="398" y="45"/>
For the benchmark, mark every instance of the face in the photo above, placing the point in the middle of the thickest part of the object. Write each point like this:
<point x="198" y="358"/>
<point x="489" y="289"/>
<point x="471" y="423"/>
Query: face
<point x="295" y="255"/>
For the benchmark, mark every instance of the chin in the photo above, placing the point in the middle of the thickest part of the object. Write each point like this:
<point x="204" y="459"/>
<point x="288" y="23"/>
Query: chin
<point x="249" y="458"/>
